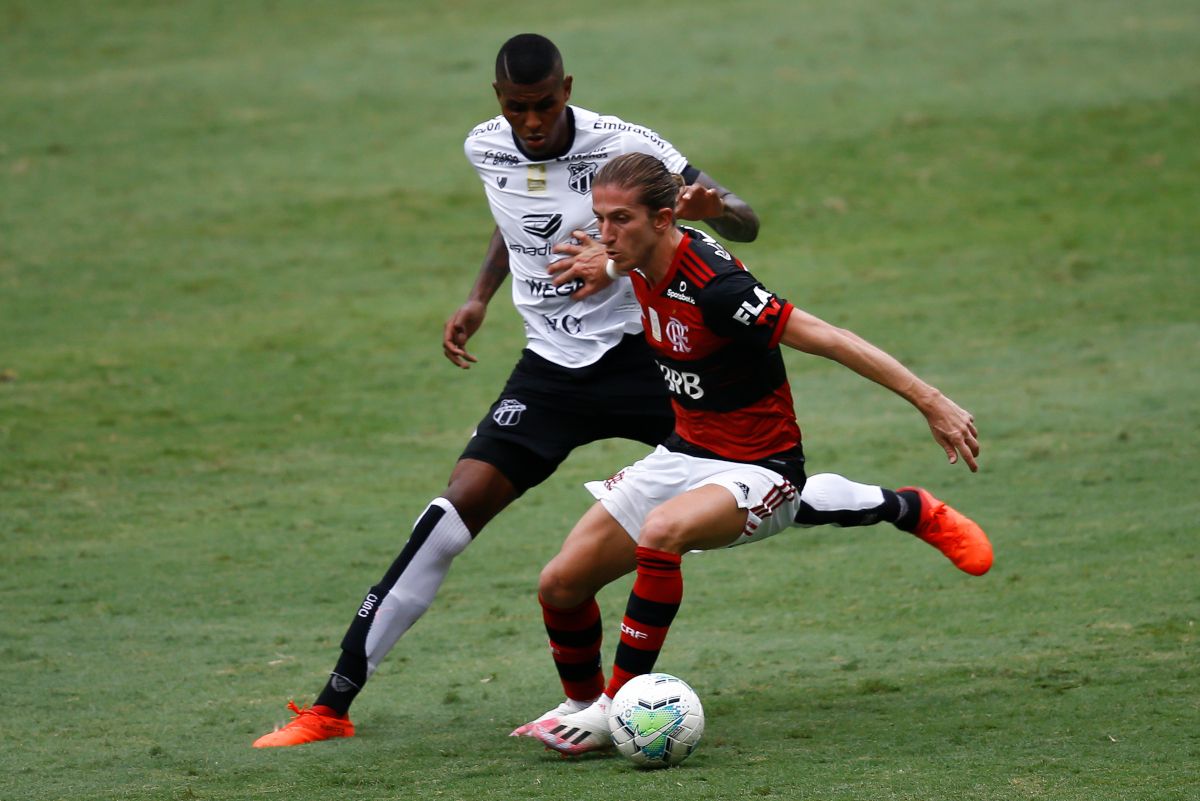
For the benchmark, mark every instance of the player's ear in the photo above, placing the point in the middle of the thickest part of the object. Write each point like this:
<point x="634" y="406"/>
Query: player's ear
<point x="566" y="87"/>
<point x="664" y="218"/>
<point x="496" y="87"/>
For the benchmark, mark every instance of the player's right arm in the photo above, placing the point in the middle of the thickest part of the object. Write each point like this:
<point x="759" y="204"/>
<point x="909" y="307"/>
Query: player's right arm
<point x="466" y="321"/>
<point x="952" y="426"/>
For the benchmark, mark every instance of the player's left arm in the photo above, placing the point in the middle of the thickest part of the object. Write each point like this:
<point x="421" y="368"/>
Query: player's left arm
<point x="723" y="211"/>
<point x="952" y="426"/>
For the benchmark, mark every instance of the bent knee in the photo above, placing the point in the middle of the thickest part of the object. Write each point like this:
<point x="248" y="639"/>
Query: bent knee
<point x="560" y="588"/>
<point x="664" y="532"/>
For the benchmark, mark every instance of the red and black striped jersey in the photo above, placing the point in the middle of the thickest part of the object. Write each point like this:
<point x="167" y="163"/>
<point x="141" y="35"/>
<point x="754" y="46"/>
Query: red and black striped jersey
<point x="715" y="333"/>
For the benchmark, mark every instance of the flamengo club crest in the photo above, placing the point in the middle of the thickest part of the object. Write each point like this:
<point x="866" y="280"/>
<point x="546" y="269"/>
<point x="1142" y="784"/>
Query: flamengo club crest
<point x="677" y="335"/>
<point x="508" y="413"/>
<point x="581" y="176"/>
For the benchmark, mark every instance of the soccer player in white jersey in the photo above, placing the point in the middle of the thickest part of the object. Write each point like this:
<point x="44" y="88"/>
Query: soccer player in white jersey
<point x="587" y="374"/>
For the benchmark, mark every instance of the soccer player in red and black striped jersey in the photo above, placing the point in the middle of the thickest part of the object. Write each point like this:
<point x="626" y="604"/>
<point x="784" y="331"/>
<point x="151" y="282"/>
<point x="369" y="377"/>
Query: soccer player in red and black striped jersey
<point x="732" y="471"/>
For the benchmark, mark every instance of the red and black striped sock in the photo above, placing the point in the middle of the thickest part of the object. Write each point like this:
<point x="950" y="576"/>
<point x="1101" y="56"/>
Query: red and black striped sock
<point x="575" y="636"/>
<point x="657" y="592"/>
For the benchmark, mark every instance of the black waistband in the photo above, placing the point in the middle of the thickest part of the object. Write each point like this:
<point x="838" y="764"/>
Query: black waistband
<point x="789" y="463"/>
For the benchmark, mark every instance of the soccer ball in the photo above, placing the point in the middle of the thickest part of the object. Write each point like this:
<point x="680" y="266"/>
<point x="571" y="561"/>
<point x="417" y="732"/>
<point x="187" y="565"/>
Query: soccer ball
<point x="656" y="720"/>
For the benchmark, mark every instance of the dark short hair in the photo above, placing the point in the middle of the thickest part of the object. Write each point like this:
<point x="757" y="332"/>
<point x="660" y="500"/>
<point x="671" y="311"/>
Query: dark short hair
<point x="528" y="58"/>
<point x="657" y="187"/>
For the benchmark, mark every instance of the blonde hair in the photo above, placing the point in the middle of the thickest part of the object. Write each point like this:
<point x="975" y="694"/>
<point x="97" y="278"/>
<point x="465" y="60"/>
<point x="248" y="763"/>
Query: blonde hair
<point x="657" y="187"/>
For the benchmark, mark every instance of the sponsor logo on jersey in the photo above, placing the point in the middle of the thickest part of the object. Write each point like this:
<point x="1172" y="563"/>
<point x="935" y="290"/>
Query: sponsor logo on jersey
<point x="581" y="176"/>
<point x="760" y="311"/>
<point x="595" y="154"/>
<point x="535" y="178"/>
<point x="499" y="158"/>
<point x="487" y="127"/>
<point x="547" y="289"/>
<point x="609" y="125"/>
<point x="681" y="383"/>
<point x="543" y="225"/>
<point x="681" y="294"/>
<point x="508" y="413"/>
<point x="530" y="250"/>
<point x="677" y="334"/>
<point x="568" y="324"/>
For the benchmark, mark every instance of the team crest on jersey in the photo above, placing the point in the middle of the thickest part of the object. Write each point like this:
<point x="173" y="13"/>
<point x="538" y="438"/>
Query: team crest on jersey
<point x="677" y="335"/>
<point x="543" y="225"/>
<point x="580" y="179"/>
<point x="501" y="181"/>
<point x="508" y="413"/>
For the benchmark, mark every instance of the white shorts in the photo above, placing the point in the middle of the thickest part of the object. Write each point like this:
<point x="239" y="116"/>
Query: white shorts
<point x="770" y="499"/>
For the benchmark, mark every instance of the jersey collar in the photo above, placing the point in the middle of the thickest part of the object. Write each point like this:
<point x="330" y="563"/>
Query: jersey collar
<point x="669" y="276"/>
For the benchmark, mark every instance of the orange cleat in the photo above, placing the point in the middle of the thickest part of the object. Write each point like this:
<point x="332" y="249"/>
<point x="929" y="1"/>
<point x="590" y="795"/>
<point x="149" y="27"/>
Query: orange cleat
<point x="311" y="723"/>
<point x="957" y="536"/>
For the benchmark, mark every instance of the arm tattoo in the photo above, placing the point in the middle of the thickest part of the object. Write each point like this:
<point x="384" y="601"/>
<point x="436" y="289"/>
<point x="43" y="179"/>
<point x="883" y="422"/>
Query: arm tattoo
<point x="738" y="221"/>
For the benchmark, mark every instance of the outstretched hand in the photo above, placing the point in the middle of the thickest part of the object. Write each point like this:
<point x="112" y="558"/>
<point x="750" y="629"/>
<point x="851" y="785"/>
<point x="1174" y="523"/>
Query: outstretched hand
<point x="584" y="262"/>
<point x="459" y="328"/>
<point x="953" y="427"/>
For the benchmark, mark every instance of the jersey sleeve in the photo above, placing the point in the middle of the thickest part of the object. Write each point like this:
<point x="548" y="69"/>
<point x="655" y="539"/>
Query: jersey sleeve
<point x="737" y="306"/>
<point x="476" y="140"/>
<point x="470" y="149"/>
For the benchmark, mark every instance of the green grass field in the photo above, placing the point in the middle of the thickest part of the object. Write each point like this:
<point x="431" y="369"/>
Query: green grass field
<point x="230" y="235"/>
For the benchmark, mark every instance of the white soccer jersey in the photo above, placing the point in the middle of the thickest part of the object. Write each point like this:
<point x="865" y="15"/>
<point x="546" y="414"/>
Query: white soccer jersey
<point x="536" y="205"/>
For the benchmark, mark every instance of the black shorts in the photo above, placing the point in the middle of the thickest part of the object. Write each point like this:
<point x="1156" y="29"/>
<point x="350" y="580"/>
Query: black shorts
<point x="545" y="411"/>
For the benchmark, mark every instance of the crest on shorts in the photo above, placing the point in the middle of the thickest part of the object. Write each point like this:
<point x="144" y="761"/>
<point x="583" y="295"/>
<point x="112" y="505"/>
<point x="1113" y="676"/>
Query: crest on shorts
<point x="581" y="176"/>
<point x="508" y="413"/>
<point x="609" y="483"/>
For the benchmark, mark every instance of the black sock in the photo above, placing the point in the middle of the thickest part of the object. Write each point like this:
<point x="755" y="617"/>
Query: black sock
<point x="345" y="683"/>
<point x="910" y="512"/>
<point x="350" y="674"/>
